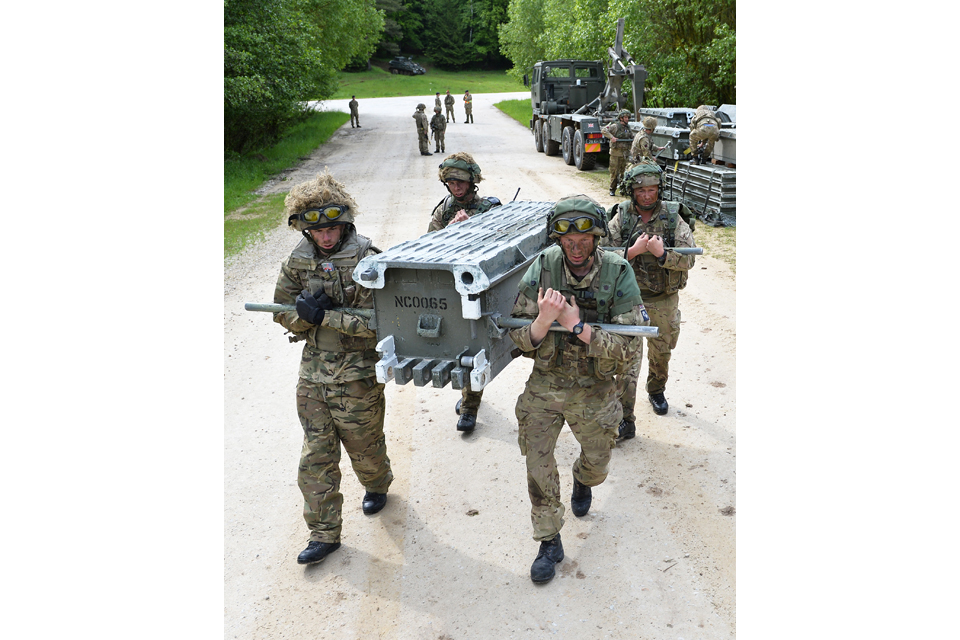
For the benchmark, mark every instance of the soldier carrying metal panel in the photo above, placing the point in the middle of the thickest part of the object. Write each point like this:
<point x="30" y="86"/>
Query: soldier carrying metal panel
<point x="643" y="146"/>
<point x="705" y="128"/>
<point x="621" y="137"/>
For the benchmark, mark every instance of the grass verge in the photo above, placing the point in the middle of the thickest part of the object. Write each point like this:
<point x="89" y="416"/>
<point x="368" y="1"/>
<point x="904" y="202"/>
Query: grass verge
<point x="249" y="224"/>
<point x="378" y="83"/>
<point x="519" y="110"/>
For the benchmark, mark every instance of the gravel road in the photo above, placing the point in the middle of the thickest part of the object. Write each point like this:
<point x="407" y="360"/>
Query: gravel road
<point x="654" y="558"/>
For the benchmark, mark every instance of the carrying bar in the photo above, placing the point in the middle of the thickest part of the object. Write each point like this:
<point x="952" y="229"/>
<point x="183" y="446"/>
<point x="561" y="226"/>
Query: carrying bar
<point x="506" y="322"/>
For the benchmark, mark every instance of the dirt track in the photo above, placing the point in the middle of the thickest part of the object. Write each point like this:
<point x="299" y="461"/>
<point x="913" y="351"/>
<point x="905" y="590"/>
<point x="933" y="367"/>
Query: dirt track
<point x="654" y="558"/>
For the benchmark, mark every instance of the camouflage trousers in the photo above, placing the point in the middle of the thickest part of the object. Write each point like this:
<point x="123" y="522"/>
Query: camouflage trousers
<point x="450" y="117"/>
<point x="593" y="414"/>
<point x="438" y="139"/>
<point x="708" y="132"/>
<point x="350" y="413"/>
<point x="664" y="312"/>
<point x="470" y="401"/>
<point x="617" y="165"/>
<point x="469" y="113"/>
<point x="354" y="118"/>
<point x="424" y="141"/>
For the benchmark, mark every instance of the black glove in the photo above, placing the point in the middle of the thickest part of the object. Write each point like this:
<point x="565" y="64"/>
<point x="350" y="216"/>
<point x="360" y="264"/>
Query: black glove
<point x="312" y="307"/>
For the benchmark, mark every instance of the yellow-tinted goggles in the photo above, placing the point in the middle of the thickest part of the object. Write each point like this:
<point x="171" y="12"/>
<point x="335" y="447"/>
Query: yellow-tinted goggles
<point x="581" y="225"/>
<point x="324" y="213"/>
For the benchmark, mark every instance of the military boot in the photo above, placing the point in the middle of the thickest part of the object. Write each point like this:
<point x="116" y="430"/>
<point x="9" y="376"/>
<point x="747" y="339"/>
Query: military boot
<point x="659" y="403"/>
<point x="551" y="553"/>
<point x="628" y="429"/>
<point x="316" y="551"/>
<point x="373" y="502"/>
<point x="581" y="499"/>
<point x="467" y="422"/>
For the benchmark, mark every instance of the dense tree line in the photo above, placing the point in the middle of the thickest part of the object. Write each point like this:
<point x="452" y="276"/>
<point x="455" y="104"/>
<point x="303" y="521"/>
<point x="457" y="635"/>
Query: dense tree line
<point x="687" y="46"/>
<point x="278" y="53"/>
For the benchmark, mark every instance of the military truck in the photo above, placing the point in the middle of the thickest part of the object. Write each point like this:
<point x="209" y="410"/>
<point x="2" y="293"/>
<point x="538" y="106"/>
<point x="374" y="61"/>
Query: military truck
<point x="405" y="66"/>
<point x="573" y="99"/>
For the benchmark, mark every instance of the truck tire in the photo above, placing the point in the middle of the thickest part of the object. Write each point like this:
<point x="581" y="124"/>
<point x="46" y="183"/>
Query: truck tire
<point x="568" y="144"/>
<point x="584" y="161"/>
<point x="538" y="135"/>
<point x="550" y="147"/>
<point x="393" y="71"/>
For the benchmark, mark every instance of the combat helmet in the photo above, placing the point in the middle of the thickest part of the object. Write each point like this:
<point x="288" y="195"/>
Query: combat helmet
<point x="436" y="109"/>
<point x="649" y="122"/>
<point x="460" y="166"/>
<point x="319" y="203"/>
<point x="568" y="213"/>
<point x="421" y="107"/>
<point x="623" y="112"/>
<point x="645" y="173"/>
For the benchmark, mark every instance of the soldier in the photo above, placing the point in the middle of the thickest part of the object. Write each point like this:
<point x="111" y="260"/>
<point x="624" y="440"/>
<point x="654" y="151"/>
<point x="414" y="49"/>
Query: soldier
<point x="422" y="129"/>
<point x="647" y="226"/>
<point x="448" y="101"/>
<point x="339" y="400"/>
<point x="436" y="101"/>
<point x="438" y="125"/>
<point x="574" y="282"/>
<point x="643" y="146"/>
<point x="468" y="106"/>
<point x="460" y="175"/>
<point x="620" y="137"/>
<point x="354" y="113"/>
<point x="705" y="127"/>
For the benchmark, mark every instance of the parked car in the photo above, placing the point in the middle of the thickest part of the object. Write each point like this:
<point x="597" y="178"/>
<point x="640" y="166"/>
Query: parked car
<point x="406" y="66"/>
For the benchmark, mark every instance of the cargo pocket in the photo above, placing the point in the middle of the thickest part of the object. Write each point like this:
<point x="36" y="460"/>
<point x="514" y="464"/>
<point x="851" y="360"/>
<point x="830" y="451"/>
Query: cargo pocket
<point x="606" y="368"/>
<point x="545" y="353"/>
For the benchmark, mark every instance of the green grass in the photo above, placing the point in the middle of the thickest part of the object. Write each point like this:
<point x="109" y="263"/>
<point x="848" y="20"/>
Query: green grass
<point x="243" y="174"/>
<point x="250" y="223"/>
<point x="719" y="243"/>
<point x="519" y="110"/>
<point x="379" y="83"/>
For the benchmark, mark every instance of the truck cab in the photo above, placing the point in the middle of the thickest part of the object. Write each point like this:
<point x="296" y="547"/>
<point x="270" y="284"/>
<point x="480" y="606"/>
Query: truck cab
<point x="563" y="86"/>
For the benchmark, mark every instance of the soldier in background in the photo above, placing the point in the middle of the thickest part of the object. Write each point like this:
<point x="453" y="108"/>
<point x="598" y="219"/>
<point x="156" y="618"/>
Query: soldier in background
<point x="647" y="226"/>
<point x="460" y="175"/>
<point x="573" y="282"/>
<point x="643" y="146"/>
<point x="436" y="101"/>
<point x="705" y="127"/>
<point x="354" y="112"/>
<point x="468" y="106"/>
<point x="438" y="125"/>
<point x="422" y="129"/>
<point x="449" y="101"/>
<point x="339" y="400"/>
<point x="621" y="137"/>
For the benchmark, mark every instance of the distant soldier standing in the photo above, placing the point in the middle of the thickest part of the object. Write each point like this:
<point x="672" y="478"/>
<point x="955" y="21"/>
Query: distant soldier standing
<point x="468" y="106"/>
<point x="648" y="226"/>
<point x="460" y="175"/>
<point x="354" y="112"/>
<point x="436" y="101"/>
<point x="438" y="124"/>
<point x="339" y="400"/>
<point x="449" y="101"/>
<point x="643" y="146"/>
<point x="705" y="127"/>
<point x="577" y="284"/>
<point x="621" y="137"/>
<point x="423" y="128"/>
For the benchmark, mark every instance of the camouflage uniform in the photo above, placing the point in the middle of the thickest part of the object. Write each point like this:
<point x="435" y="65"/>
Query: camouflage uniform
<point x="659" y="285"/>
<point x="618" y="150"/>
<point x="572" y="381"/>
<point x="436" y="102"/>
<point x="449" y="102"/>
<point x="354" y="113"/>
<point x="423" y="125"/>
<point x="339" y="400"/>
<point x="704" y="126"/>
<point x="468" y="106"/>
<point x="438" y="125"/>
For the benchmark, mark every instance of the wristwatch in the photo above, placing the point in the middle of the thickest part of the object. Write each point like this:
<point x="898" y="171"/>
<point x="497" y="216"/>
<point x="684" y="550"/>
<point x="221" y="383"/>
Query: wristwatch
<point x="577" y="328"/>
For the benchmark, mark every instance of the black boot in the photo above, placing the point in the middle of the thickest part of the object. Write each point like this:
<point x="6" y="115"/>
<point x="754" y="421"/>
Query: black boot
<point x="628" y="429"/>
<point x="467" y="422"/>
<point x="581" y="499"/>
<point x="425" y="153"/>
<point x="659" y="403"/>
<point x="457" y="409"/>
<point x="373" y="502"/>
<point x="551" y="553"/>
<point x="316" y="551"/>
<point x="612" y="192"/>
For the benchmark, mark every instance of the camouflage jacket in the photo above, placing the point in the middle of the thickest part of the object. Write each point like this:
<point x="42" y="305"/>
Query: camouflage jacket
<point x="353" y="106"/>
<point x="342" y="347"/>
<point x="702" y="117"/>
<point x="623" y="135"/>
<point x="653" y="277"/>
<point x="563" y="358"/>
<point x="447" y="208"/>
<point x="436" y="102"/>
<point x="468" y="102"/>
<point x="422" y="121"/>
<point x="449" y="100"/>
<point x="642" y="146"/>
<point x="438" y="123"/>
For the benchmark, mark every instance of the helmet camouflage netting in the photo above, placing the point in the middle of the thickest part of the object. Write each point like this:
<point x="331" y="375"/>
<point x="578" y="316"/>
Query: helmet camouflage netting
<point x="460" y="166"/>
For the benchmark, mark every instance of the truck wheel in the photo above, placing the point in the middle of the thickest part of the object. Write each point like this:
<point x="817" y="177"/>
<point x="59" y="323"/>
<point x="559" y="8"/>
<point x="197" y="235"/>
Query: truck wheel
<point x="538" y="135"/>
<point x="568" y="144"/>
<point x="584" y="161"/>
<point x="550" y="147"/>
<point x="393" y="71"/>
